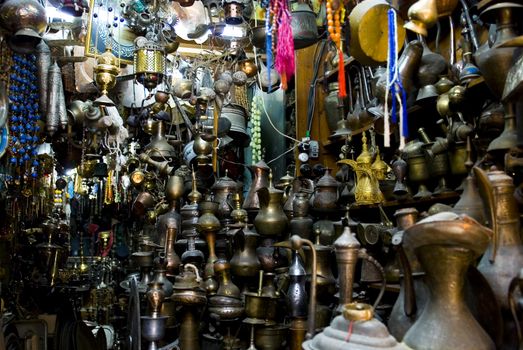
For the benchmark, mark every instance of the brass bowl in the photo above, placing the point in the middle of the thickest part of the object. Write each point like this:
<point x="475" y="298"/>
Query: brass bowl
<point x="260" y="306"/>
<point x="272" y="337"/>
<point x="358" y="312"/>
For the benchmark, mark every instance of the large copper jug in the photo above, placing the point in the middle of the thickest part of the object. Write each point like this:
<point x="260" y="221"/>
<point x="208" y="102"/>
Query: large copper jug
<point x="504" y="256"/>
<point x="446" y="244"/>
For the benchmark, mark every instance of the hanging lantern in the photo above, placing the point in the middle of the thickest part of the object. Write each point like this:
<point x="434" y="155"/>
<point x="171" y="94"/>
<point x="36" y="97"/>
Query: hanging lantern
<point x="106" y="70"/>
<point x="149" y="63"/>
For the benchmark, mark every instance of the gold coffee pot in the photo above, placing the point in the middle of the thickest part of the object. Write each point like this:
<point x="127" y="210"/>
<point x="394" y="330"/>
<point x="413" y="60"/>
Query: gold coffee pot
<point x="367" y="185"/>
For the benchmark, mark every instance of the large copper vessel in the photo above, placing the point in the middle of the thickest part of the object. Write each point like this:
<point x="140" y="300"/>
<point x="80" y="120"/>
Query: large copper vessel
<point x="446" y="244"/>
<point x="26" y="21"/>
<point x="504" y="256"/>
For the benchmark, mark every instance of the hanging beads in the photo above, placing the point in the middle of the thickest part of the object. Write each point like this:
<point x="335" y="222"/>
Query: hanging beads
<point x="24" y="115"/>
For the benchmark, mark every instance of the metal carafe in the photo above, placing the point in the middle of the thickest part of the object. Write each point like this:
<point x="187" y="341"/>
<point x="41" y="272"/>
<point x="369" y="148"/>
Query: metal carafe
<point x="446" y="244"/>
<point x="333" y="106"/>
<point x="301" y="222"/>
<point x="251" y="203"/>
<point x="325" y="281"/>
<point x="504" y="256"/>
<point x="325" y="194"/>
<point x="223" y="189"/>
<point x="271" y="220"/>
<point x="297" y="294"/>
<point x="413" y="294"/>
<point x="244" y="262"/>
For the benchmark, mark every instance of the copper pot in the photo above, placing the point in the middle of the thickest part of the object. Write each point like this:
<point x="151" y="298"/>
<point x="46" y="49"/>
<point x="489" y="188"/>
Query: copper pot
<point x="26" y="21"/>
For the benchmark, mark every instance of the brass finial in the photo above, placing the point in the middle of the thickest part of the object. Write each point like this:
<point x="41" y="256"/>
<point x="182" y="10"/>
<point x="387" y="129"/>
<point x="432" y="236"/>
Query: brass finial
<point x="194" y="196"/>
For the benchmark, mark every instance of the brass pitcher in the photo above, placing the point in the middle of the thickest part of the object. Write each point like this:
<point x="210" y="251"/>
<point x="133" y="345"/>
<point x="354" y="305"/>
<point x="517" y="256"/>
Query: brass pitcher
<point x="244" y="262"/>
<point x="446" y="244"/>
<point x="367" y="185"/>
<point x="251" y="203"/>
<point x="504" y="256"/>
<point x="494" y="61"/>
<point x="301" y="222"/>
<point x="223" y="189"/>
<point x="271" y="220"/>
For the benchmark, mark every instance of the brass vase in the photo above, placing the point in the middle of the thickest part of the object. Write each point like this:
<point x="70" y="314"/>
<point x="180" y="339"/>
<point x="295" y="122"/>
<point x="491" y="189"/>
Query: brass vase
<point x="208" y="224"/>
<point x="173" y="260"/>
<point x="446" y="244"/>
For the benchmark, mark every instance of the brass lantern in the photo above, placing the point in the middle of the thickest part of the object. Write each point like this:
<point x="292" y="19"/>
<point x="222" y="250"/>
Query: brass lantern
<point x="105" y="72"/>
<point x="149" y="63"/>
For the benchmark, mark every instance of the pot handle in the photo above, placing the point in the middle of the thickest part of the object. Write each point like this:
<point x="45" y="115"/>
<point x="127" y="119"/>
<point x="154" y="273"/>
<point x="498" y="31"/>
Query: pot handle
<point x="362" y="254"/>
<point x="409" y="302"/>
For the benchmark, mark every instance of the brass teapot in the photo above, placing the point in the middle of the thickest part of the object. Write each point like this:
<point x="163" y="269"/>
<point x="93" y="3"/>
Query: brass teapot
<point x="367" y="185"/>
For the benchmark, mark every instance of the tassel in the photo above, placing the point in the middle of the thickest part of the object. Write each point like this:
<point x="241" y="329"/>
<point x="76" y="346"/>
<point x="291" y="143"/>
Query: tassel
<point x="342" y="92"/>
<point x="268" y="42"/>
<point x="284" y="81"/>
<point x="284" y="61"/>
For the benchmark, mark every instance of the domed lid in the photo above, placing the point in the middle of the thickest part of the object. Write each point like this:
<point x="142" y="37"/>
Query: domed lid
<point x="365" y="157"/>
<point x="225" y="183"/>
<point x="367" y="332"/>
<point x="327" y="180"/>
<point x="285" y="180"/>
<point x="347" y="240"/>
<point x="379" y="165"/>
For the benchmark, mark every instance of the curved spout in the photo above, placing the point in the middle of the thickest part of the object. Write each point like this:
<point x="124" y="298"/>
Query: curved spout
<point x="350" y="162"/>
